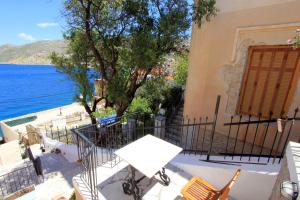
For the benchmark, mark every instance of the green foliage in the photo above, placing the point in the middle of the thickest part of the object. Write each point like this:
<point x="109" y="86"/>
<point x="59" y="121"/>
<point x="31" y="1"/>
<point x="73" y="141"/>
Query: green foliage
<point x="123" y="41"/>
<point x="76" y="66"/>
<point x="105" y="112"/>
<point x="139" y="105"/>
<point x="158" y="91"/>
<point x="181" y="69"/>
<point x="172" y="98"/>
<point x="73" y="196"/>
<point x="153" y="90"/>
<point x="204" y="10"/>
<point x="297" y="39"/>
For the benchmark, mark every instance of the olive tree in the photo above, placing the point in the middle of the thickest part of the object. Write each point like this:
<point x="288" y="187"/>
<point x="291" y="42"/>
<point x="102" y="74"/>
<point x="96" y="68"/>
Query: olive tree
<point x="123" y="41"/>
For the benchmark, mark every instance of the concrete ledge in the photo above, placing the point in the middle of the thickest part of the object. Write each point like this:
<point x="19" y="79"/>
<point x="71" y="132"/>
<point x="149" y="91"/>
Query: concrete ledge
<point x="293" y="162"/>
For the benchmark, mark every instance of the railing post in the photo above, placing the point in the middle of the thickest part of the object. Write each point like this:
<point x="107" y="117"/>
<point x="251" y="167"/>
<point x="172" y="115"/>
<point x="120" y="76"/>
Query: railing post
<point x="288" y="134"/>
<point x="214" y="125"/>
<point x="67" y="135"/>
<point x="131" y="126"/>
<point x="58" y="134"/>
<point x="160" y="122"/>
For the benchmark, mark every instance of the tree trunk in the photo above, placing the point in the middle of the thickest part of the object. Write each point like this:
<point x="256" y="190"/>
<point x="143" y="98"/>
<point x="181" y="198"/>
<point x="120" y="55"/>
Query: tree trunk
<point x="93" y="120"/>
<point x="120" y="110"/>
<point x="89" y="111"/>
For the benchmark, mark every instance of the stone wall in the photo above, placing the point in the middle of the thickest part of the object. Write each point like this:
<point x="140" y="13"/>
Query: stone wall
<point x="33" y="135"/>
<point x="8" y="133"/>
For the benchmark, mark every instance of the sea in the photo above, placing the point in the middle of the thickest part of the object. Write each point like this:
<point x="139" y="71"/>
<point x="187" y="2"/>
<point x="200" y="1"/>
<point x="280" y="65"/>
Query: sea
<point x="26" y="89"/>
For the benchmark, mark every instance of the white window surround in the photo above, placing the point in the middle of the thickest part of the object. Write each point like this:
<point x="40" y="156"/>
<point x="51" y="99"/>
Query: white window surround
<point x="236" y="5"/>
<point x="293" y="161"/>
<point x="266" y="28"/>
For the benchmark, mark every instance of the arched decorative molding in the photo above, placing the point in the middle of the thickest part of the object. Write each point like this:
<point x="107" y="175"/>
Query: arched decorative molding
<point x="268" y="28"/>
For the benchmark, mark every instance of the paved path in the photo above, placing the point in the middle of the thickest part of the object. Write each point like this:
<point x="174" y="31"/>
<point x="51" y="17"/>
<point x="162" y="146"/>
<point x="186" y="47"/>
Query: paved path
<point x="58" y="174"/>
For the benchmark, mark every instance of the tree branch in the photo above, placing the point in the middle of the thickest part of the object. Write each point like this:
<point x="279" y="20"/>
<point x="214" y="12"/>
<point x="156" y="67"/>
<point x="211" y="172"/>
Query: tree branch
<point x="90" y="39"/>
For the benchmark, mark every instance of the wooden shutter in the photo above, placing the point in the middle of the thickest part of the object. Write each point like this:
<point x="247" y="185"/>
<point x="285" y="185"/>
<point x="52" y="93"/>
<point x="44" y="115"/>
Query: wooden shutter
<point x="269" y="81"/>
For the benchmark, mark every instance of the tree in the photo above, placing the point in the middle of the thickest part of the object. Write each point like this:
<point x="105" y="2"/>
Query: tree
<point x="76" y="66"/>
<point x="295" y="42"/>
<point x="124" y="41"/>
<point x="181" y="68"/>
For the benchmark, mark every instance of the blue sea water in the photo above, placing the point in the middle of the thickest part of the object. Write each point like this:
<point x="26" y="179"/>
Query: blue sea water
<point x="26" y="89"/>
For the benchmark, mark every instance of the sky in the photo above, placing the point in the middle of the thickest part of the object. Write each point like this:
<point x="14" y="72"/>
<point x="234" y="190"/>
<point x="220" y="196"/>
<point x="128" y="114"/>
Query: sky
<point x="26" y="21"/>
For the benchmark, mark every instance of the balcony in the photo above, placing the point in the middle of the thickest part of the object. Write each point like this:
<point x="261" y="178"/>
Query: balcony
<point x="206" y="153"/>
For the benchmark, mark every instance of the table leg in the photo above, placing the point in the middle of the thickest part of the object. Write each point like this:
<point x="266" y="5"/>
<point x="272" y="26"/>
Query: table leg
<point x="130" y="187"/>
<point x="164" y="177"/>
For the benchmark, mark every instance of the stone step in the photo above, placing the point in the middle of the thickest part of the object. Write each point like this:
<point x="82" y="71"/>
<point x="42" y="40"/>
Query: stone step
<point x="176" y="121"/>
<point x="178" y="117"/>
<point x="174" y="132"/>
<point x="173" y="137"/>
<point x="180" y="113"/>
<point x="174" y="127"/>
<point x="177" y="133"/>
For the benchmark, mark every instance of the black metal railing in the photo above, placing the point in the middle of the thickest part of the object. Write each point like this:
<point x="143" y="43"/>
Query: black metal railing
<point x="248" y="140"/>
<point x="87" y="154"/>
<point x="60" y="134"/>
<point x="18" y="179"/>
<point x="258" y="138"/>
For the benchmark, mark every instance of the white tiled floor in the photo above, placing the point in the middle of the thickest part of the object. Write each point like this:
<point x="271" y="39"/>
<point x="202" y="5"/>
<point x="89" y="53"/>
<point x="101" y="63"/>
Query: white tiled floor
<point x="110" y="184"/>
<point x="58" y="174"/>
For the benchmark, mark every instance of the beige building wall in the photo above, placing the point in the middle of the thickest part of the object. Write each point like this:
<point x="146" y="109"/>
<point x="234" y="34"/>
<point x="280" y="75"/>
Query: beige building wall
<point x="218" y="52"/>
<point x="8" y="133"/>
<point x="10" y="153"/>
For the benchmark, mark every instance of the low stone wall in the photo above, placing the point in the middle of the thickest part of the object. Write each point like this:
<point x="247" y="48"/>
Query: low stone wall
<point x="10" y="153"/>
<point x="254" y="183"/>
<point x="8" y="133"/>
<point x="20" y="193"/>
<point x="33" y="135"/>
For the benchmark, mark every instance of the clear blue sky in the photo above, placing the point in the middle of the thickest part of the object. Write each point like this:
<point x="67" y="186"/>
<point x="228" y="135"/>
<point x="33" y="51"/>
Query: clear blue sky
<point x="26" y="21"/>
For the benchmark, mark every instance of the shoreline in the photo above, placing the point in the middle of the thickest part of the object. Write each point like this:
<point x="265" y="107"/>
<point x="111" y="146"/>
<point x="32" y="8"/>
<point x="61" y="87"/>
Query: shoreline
<point x="47" y="115"/>
<point x="39" y="112"/>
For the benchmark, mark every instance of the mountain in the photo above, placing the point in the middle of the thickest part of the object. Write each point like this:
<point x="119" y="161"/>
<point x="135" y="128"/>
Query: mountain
<point x="33" y="53"/>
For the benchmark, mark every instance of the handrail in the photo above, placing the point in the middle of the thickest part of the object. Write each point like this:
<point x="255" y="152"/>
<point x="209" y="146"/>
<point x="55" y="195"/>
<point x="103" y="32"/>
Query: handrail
<point x="89" y="161"/>
<point x="259" y="121"/>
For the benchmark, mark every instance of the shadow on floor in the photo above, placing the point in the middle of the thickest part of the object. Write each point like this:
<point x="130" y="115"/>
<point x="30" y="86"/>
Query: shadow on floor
<point x="149" y="188"/>
<point x="54" y="164"/>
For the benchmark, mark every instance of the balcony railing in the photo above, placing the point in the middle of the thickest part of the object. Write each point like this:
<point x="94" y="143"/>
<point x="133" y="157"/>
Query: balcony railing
<point x="18" y="179"/>
<point x="248" y="140"/>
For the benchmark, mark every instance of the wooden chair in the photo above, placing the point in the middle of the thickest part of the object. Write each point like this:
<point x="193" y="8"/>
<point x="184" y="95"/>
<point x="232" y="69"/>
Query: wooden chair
<point x="198" y="189"/>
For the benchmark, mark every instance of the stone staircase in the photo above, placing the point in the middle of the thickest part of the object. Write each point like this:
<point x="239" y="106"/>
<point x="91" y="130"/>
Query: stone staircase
<point x="173" y="128"/>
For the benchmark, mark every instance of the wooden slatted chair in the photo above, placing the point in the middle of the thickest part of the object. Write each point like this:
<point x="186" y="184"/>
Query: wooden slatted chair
<point x="199" y="189"/>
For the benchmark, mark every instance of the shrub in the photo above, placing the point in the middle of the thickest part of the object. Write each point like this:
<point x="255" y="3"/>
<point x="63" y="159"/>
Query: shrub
<point x="181" y="69"/>
<point x="104" y="112"/>
<point x="73" y="196"/>
<point x="172" y="98"/>
<point x="139" y="104"/>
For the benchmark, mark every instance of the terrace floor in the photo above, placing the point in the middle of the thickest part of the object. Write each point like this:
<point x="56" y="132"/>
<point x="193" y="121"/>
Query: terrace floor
<point x="58" y="174"/>
<point x="255" y="182"/>
<point x="110" y="183"/>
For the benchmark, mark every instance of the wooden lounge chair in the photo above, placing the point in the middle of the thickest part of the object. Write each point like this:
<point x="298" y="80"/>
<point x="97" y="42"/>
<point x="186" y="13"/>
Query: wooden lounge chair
<point x="199" y="189"/>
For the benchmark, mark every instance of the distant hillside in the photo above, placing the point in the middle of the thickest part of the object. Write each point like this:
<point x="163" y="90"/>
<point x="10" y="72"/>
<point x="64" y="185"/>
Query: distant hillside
<point x="33" y="53"/>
